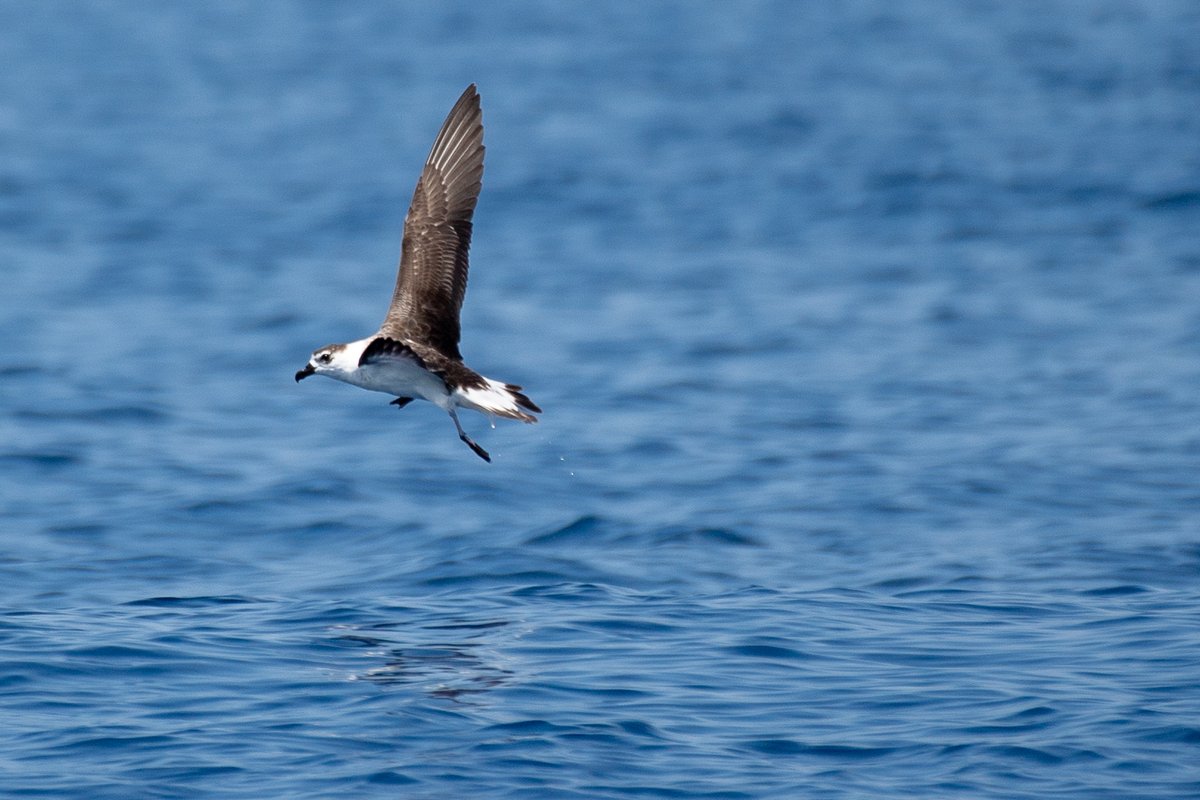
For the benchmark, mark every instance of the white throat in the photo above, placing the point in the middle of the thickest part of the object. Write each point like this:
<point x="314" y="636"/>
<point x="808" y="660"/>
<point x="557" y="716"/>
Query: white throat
<point x="346" y="359"/>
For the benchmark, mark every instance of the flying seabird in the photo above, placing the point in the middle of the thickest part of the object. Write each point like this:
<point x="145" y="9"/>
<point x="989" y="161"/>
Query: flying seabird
<point x="414" y="354"/>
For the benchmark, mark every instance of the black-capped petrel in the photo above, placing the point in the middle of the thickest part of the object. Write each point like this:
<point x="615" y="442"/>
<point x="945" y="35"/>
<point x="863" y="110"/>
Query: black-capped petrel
<point x="414" y="354"/>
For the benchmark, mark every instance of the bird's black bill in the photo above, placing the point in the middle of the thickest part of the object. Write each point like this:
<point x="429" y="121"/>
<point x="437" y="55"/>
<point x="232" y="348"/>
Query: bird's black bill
<point x="304" y="373"/>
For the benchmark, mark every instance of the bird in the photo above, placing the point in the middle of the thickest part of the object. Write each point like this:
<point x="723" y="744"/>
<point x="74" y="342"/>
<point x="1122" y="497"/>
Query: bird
<point x="414" y="354"/>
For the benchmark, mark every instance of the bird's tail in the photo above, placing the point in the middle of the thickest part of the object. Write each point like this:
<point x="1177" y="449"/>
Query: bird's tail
<point x="498" y="399"/>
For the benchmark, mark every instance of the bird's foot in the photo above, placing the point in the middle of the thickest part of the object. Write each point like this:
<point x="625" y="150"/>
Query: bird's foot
<point x="479" y="451"/>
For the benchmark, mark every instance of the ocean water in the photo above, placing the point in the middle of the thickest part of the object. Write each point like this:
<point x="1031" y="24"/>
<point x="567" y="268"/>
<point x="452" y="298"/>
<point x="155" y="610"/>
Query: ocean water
<point x="868" y="338"/>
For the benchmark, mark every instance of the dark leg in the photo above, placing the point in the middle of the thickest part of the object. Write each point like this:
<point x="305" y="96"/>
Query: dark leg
<point x="401" y="401"/>
<point x="479" y="451"/>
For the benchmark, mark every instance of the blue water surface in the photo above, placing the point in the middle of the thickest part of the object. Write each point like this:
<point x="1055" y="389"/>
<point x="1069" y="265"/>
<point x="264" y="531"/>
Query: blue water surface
<point x="868" y="338"/>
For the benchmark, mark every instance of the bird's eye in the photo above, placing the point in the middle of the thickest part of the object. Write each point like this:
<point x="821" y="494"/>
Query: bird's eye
<point x="324" y="358"/>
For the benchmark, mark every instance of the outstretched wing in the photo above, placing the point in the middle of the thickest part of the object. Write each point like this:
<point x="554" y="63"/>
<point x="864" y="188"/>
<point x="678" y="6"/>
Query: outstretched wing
<point x="437" y="234"/>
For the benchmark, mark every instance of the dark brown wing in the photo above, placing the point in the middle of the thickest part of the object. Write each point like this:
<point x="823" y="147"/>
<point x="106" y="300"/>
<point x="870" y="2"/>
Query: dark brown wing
<point x="437" y="234"/>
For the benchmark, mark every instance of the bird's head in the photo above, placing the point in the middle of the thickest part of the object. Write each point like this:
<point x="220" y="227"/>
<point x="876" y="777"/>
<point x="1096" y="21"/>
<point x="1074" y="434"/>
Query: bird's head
<point x="331" y="360"/>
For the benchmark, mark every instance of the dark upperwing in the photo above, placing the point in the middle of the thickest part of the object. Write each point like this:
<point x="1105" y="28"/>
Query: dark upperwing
<point x="437" y="234"/>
